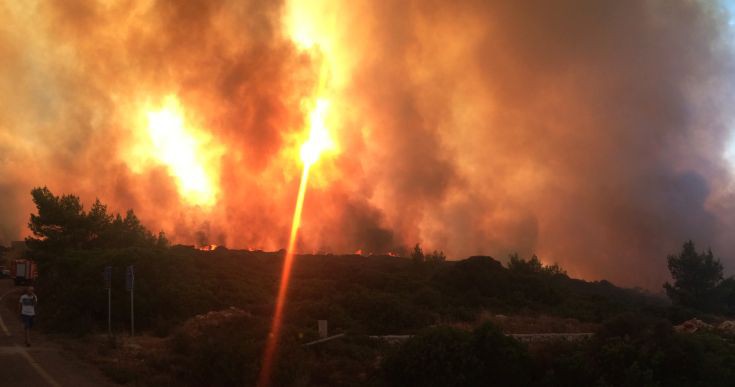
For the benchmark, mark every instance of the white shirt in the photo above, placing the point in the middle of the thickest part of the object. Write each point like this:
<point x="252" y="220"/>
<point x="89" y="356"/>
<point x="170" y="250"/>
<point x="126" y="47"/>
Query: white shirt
<point x="28" y="305"/>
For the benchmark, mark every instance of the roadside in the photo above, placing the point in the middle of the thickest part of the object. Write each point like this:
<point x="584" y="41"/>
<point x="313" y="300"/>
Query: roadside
<point x="45" y="363"/>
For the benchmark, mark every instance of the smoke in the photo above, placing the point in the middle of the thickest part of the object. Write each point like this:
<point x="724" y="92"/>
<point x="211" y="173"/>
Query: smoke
<point x="591" y="133"/>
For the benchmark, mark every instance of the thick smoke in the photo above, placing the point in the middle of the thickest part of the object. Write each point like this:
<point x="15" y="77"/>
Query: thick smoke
<point x="591" y="133"/>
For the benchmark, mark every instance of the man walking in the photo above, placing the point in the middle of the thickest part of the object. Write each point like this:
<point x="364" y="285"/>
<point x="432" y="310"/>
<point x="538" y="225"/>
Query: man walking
<point x="27" y="308"/>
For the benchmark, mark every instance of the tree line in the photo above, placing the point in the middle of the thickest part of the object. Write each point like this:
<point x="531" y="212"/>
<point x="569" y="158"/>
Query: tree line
<point x="380" y="295"/>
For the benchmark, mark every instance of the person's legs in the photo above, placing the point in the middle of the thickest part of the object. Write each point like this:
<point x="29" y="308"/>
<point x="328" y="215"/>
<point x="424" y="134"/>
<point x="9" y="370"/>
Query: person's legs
<point x="27" y="325"/>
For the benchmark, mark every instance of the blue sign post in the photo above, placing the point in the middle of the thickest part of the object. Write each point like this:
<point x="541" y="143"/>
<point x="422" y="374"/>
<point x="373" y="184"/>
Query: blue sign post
<point x="130" y="286"/>
<point x="108" y="284"/>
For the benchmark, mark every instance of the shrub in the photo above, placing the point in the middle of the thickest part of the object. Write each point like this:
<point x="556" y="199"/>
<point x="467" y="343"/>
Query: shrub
<point x="437" y="357"/>
<point x="630" y="350"/>
<point x="224" y="348"/>
<point x="445" y="356"/>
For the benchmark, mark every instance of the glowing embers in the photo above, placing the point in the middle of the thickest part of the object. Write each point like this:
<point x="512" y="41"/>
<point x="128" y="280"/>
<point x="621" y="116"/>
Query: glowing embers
<point x="188" y="153"/>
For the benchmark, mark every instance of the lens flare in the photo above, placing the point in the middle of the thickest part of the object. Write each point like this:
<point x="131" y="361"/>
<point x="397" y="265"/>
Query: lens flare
<point x="274" y="334"/>
<point x="318" y="141"/>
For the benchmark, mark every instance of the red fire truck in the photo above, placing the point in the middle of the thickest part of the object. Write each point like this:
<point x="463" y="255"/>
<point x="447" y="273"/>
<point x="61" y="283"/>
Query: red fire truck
<point x="24" y="271"/>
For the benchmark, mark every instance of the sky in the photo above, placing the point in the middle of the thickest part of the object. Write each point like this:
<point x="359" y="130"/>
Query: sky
<point x="598" y="135"/>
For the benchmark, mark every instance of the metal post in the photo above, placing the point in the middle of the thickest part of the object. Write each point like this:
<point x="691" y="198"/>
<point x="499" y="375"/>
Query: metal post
<point x="109" y="312"/>
<point x="132" y="313"/>
<point x="130" y="286"/>
<point x="107" y="274"/>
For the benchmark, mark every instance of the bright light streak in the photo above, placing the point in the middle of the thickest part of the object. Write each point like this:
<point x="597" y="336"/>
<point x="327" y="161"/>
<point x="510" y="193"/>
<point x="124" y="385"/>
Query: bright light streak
<point x="318" y="142"/>
<point x="315" y="145"/>
<point x="275" y="331"/>
<point x="304" y="22"/>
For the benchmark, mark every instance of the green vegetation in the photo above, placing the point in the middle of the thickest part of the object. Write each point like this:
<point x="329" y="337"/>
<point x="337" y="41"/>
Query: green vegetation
<point x="423" y="295"/>
<point x="628" y="350"/>
<point x="631" y="350"/>
<point x="445" y="356"/>
<point x="418" y="256"/>
<point x="62" y="224"/>
<point x="698" y="282"/>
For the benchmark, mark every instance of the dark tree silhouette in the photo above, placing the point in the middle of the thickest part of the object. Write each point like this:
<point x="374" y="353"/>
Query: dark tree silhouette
<point x="532" y="266"/>
<point x="59" y="224"/>
<point x="62" y="224"/>
<point x="436" y="257"/>
<point x="696" y="278"/>
<point x="418" y="254"/>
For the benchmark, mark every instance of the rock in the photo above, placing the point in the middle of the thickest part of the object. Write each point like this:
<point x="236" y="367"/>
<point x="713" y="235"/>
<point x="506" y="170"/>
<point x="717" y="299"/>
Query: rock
<point x="693" y="325"/>
<point x="727" y="326"/>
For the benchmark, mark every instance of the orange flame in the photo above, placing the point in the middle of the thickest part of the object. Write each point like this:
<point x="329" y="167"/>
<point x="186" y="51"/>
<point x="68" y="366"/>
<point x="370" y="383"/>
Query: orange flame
<point x="189" y="154"/>
<point x="319" y="139"/>
<point x="207" y="248"/>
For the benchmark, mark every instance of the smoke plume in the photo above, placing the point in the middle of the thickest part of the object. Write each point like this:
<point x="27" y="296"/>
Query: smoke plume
<point x="591" y="133"/>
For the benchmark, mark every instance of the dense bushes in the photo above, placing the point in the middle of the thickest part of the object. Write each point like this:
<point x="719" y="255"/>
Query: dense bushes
<point x="172" y="284"/>
<point x="627" y="351"/>
<point x="225" y="348"/>
<point x="445" y="356"/>
<point x="482" y="282"/>
<point x="373" y="295"/>
<point x="631" y="350"/>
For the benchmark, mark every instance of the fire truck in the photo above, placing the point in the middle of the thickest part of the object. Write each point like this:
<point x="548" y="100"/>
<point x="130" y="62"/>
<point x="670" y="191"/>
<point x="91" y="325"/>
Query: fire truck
<point x="24" y="271"/>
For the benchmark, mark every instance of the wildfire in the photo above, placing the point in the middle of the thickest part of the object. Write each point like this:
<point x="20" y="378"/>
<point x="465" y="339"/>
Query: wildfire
<point x="188" y="153"/>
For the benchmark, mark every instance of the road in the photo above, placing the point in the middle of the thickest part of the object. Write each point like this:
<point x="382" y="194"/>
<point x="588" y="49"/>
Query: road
<point x="44" y="364"/>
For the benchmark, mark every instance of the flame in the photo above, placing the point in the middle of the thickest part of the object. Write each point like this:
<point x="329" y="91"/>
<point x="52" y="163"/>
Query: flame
<point x="188" y="153"/>
<point x="319" y="139"/>
<point x="207" y="247"/>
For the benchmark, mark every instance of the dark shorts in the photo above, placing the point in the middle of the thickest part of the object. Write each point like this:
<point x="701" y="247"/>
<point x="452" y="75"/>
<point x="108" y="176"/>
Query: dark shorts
<point x="27" y="321"/>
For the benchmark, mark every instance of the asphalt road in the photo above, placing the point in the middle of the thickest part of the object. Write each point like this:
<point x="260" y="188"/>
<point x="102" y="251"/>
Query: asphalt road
<point x="44" y="364"/>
